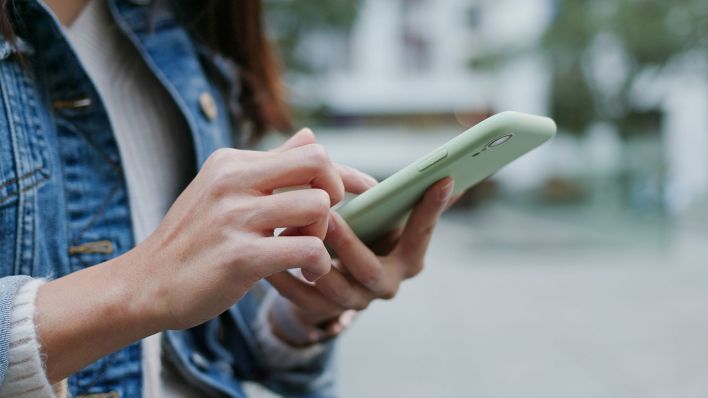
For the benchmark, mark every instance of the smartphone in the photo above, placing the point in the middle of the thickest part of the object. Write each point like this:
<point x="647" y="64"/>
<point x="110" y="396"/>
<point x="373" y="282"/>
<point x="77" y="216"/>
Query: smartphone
<point x="468" y="158"/>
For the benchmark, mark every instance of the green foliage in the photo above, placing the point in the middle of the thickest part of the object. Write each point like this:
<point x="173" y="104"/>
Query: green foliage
<point x="651" y="34"/>
<point x="291" y="21"/>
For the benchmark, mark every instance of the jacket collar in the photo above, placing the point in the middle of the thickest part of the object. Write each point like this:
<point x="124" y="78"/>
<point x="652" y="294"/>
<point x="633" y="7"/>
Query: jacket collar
<point x="172" y="56"/>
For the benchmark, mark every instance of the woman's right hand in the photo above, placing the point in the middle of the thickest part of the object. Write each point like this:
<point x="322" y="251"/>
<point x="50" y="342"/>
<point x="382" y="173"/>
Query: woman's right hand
<point x="214" y="244"/>
<point x="217" y="240"/>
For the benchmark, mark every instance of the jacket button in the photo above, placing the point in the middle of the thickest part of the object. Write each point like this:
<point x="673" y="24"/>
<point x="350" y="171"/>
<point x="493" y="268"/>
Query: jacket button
<point x="208" y="105"/>
<point x="75" y="103"/>
<point x="199" y="361"/>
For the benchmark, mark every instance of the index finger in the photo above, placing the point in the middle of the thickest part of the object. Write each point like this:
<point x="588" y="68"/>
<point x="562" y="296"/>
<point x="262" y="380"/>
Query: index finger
<point x="302" y="137"/>
<point x="305" y="165"/>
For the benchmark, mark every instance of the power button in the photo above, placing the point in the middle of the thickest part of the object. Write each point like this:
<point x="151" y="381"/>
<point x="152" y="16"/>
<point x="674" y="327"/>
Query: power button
<point x="432" y="159"/>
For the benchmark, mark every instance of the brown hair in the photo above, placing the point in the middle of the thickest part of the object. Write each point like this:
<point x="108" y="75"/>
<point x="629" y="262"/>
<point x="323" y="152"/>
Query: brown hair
<point x="236" y="30"/>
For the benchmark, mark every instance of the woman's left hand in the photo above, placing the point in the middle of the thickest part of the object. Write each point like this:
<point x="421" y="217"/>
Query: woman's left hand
<point x="359" y="275"/>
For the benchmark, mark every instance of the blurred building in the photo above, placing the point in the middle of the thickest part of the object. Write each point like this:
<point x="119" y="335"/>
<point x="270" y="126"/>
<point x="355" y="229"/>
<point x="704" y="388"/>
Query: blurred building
<point x="406" y="64"/>
<point x="412" y="57"/>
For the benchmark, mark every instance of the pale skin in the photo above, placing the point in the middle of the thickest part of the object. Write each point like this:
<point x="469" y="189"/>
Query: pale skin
<point x="217" y="241"/>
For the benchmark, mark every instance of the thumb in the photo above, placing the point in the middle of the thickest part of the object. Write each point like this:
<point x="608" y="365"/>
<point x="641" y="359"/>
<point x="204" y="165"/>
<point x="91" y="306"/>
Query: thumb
<point x="301" y="138"/>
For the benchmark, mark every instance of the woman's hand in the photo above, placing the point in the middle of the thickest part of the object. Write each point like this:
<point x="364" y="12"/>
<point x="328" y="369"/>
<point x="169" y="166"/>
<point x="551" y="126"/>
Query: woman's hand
<point x="214" y="244"/>
<point x="217" y="239"/>
<point x="359" y="276"/>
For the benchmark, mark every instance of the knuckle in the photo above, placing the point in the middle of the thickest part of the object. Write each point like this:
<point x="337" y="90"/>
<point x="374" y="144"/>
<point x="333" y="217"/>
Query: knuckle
<point x="322" y="198"/>
<point x="422" y="231"/>
<point x="313" y="250"/>
<point x="218" y="190"/>
<point x="338" y="192"/>
<point x="245" y="250"/>
<point x="318" y="153"/>
<point x="320" y="202"/>
<point x="388" y="292"/>
<point x="240" y="212"/>
<point x="416" y="268"/>
<point x="359" y="305"/>
<point x="369" y="276"/>
<point x="221" y="155"/>
<point x="221" y="183"/>
<point x="427" y="230"/>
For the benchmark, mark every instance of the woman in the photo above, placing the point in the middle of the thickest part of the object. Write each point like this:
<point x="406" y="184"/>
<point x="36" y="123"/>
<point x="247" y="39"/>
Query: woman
<point x="127" y="275"/>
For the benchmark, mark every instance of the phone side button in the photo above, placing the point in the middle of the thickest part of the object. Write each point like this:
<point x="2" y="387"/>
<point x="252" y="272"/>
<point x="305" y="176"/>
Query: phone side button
<point x="432" y="159"/>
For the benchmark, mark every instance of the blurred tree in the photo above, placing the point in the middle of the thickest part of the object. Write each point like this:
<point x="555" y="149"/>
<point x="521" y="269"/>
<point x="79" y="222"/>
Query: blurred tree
<point x="648" y="35"/>
<point x="291" y="22"/>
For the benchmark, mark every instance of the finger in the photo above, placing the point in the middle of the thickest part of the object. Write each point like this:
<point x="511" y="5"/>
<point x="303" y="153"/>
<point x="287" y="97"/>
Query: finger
<point x="418" y="230"/>
<point x="341" y="323"/>
<point x="277" y="254"/>
<point x="344" y="291"/>
<point x="355" y="181"/>
<point x="307" y="210"/>
<point x="304" y="296"/>
<point x="357" y="259"/>
<point x="305" y="165"/>
<point x="302" y="137"/>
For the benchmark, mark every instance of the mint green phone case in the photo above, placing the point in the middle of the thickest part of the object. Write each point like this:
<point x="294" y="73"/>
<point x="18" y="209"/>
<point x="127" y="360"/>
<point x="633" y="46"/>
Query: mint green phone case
<point x="468" y="158"/>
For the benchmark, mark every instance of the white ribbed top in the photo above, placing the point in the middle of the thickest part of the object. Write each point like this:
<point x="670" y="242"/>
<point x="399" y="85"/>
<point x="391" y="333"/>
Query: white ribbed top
<point x="152" y="137"/>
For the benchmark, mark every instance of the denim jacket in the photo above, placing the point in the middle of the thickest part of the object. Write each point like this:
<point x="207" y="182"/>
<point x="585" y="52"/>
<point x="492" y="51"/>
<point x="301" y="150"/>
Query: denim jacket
<point x="64" y="202"/>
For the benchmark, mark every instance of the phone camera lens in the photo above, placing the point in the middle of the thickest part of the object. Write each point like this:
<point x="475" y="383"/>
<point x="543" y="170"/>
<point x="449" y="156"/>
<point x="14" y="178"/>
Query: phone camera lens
<point x="499" y="141"/>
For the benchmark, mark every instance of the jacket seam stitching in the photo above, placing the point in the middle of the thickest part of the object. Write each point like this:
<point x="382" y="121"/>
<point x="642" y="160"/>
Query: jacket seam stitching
<point x="15" y="155"/>
<point x="24" y="190"/>
<point x="20" y="178"/>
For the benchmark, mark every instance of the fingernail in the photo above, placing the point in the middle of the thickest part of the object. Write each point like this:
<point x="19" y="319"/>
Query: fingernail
<point x="370" y="181"/>
<point x="446" y="191"/>
<point x="347" y="317"/>
<point x="337" y="328"/>
<point x="309" y="275"/>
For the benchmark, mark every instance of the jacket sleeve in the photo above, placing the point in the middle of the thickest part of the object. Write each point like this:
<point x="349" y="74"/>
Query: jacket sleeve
<point x="226" y="351"/>
<point x="311" y="377"/>
<point x="8" y="290"/>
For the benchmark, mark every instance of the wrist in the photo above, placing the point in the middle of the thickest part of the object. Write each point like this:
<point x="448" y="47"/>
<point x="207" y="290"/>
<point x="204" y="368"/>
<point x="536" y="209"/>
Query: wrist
<point x="140" y="294"/>
<point x="89" y="314"/>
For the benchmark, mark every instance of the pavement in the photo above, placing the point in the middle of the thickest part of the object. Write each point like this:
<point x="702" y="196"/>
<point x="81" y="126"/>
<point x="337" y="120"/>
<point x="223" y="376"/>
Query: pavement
<point x="527" y="313"/>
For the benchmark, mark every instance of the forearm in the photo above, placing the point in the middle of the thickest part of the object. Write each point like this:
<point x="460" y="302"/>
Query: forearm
<point x="91" y="313"/>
